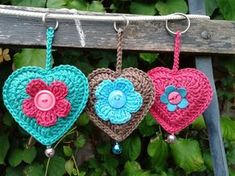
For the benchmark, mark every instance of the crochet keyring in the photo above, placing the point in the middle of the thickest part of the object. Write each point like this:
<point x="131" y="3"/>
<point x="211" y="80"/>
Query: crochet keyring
<point x="180" y="95"/>
<point x="119" y="99"/>
<point x="46" y="102"/>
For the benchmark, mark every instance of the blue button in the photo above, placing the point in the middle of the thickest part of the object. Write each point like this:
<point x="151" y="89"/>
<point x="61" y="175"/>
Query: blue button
<point x="117" y="99"/>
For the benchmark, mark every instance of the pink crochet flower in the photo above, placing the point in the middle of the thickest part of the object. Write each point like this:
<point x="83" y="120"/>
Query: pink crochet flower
<point x="46" y="103"/>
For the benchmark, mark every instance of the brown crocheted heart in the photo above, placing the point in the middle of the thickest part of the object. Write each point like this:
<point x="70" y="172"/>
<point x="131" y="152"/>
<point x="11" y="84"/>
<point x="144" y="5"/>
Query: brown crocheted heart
<point x="142" y="84"/>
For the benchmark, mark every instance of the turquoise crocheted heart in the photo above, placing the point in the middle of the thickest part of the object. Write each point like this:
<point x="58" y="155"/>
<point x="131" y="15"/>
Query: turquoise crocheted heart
<point x="14" y="95"/>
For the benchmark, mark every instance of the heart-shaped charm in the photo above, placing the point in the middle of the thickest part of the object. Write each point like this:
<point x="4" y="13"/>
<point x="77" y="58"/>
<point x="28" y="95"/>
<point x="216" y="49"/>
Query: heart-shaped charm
<point x="46" y="102"/>
<point x="141" y="84"/>
<point x="180" y="95"/>
<point x="30" y="83"/>
<point x="119" y="99"/>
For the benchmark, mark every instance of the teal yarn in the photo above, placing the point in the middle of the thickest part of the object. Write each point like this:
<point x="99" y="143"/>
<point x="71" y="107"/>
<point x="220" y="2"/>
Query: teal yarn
<point x="50" y="36"/>
<point x="14" y="93"/>
<point x="116" y="100"/>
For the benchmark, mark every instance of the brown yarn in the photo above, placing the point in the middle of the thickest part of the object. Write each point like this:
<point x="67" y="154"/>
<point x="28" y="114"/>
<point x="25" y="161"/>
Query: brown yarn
<point x="142" y="84"/>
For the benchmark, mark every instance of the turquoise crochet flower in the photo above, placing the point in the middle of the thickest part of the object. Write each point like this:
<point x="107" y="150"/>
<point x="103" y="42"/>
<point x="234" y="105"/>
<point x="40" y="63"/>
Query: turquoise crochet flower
<point x="174" y="97"/>
<point x="117" y="100"/>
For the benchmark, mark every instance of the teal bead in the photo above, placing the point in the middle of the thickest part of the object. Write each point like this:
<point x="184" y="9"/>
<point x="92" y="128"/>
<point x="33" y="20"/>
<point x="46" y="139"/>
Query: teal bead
<point x="117" y="149"/>
<point x="117" y="99"/>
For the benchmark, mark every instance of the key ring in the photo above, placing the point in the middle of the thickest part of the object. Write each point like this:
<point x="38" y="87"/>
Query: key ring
<point x="121" y="29"/>
<point x="182" y="32"/>
<point x="44" y="18"/>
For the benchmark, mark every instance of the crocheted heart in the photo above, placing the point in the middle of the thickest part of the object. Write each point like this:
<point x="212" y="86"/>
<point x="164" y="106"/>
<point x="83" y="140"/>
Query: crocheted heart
<point x="140" y="95"/>
<point x="70" y="93"/>
<point x="180" y="97"/>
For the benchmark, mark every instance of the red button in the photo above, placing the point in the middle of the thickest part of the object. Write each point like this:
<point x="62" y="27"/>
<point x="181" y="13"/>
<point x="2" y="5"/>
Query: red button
<point x="44" y="100"/>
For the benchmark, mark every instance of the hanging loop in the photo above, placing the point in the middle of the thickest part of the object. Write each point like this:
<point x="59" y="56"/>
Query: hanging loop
<point x="121" y="29"/>
<point x="44" y="21"/>
<point x="181" y="32"/>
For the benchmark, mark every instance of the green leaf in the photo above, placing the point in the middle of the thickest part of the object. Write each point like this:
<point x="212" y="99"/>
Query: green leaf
<point x="132" y="168"/>
<point x="158" y="151"/>
<point x="67" y="150"/>
<point x="4" y="143"/>
<point x="199" y="123"/>
<point x="34" y="170"/>
<point x="208" y="160"/>
<point x="57" y="166"/>
<point x="30" y="57"/>
<point x="171" y="6"/>
<point x="69" y="166"/>
<point x="29" y="155"/>
<point x="211" y="5"/>
<point x="110" y="164"/>
<point x="149" y="57"/>
<point x="83" y="119"/>
<point x="227" y="8"/>
<point x="15" y="157"/>
<point x="13" y="172"/>
<point x="80" y="141"/>
<point x="142" y="8"/>
<point x="228" y="128"/>
<point x="96" y="6"/>
<point x="31" y="3"/>
<point x="56" y="3"/>
<point x="132" y="147"/>
<point x="79" y="5"/>
<point x="187" y="155"/>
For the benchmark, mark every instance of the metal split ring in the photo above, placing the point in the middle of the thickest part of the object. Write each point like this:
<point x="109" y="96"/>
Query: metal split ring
<point x="44" y="21"/>
<point x="123" y="28"/>
<point x="187" y="28"/>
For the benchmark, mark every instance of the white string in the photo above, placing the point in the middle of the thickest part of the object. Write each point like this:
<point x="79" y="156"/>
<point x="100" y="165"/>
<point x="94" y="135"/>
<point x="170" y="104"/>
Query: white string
<point x="81" y="34"/>
<point x="95" y="16"/>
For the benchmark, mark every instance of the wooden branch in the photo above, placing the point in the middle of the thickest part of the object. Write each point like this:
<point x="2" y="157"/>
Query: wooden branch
<point x="204" y="36"/>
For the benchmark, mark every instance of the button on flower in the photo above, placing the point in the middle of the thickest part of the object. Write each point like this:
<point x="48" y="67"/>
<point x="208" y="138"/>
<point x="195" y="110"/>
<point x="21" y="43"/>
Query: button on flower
<point x="174" y="97"/>
<point x="117" y="100"/>
<point x="46" y="103"/>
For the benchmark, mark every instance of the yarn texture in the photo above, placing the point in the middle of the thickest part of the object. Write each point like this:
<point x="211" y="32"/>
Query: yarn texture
<point x="46" y="103"/>
<point x="181" y="96"/>
<point x="62" y="94"/>
<point x="117" y="100"/>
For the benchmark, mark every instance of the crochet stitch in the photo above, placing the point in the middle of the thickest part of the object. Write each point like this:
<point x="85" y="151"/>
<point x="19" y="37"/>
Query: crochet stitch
<point x="117" y="100"/>
<point x="181" y="96"/>
<point x="46" y="103"/>
<point x="63" y="84"/>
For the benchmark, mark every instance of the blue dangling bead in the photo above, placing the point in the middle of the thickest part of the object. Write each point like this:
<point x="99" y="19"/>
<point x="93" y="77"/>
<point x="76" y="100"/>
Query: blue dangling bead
<point x="117" y="149"/>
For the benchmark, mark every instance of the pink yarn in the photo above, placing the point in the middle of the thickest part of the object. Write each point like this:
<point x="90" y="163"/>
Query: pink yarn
<point x="197" y="85"/>
<point x="55" y="104"/>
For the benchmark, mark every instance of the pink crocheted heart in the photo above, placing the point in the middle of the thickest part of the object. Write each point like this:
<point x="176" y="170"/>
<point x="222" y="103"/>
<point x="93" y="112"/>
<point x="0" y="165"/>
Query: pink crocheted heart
<point x="180" y="97"/>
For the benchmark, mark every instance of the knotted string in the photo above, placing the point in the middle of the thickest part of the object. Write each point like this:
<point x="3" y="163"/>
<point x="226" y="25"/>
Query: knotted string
<point x="119" y="51"/>
<point x="176" y="51"/>
<point x="50" y="37"/>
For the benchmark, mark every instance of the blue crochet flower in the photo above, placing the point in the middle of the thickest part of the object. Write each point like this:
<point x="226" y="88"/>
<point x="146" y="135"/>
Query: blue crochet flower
<point x="174" y="97"/>
<point x="117" y="100"/>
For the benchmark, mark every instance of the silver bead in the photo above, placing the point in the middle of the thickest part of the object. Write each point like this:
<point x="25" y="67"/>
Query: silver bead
<point x="49" y="152"/>
<point x="171" y="139"/>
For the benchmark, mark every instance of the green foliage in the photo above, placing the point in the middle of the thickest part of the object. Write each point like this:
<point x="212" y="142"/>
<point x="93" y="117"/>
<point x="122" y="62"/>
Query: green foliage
<point x="227" y="8"/>
<point x="33" y="57"/>
<point x="169" y="6"/>
<point x="87" y="151"/>
<point x="4" y="143"/>
<point x="187" y="155"/>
